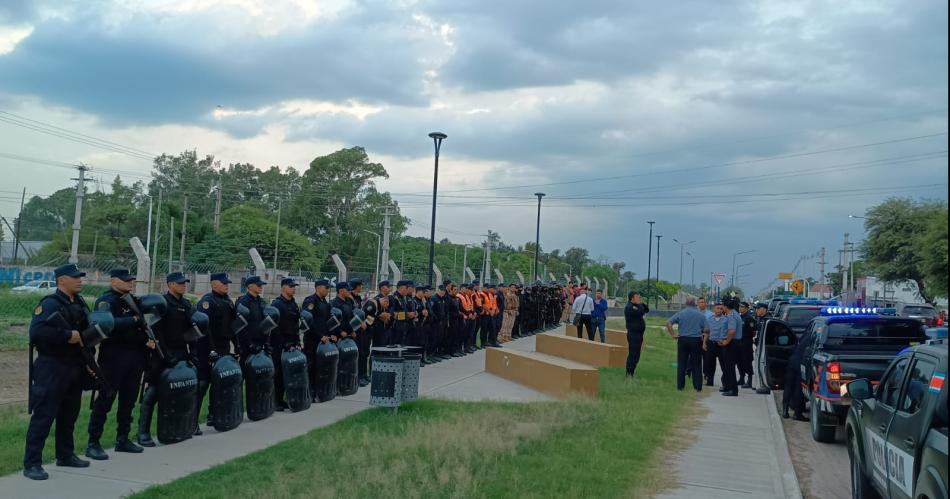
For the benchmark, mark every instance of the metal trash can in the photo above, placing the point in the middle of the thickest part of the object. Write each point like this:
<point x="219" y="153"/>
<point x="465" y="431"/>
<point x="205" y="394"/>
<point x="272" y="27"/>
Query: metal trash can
<point x="412" y="362"/>
<point x="386" y="389"/>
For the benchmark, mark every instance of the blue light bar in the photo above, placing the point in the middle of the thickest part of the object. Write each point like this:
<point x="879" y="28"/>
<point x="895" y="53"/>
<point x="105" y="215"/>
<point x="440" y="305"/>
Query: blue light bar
<point x="812" y="301"/>
<point x="852" y="311"/>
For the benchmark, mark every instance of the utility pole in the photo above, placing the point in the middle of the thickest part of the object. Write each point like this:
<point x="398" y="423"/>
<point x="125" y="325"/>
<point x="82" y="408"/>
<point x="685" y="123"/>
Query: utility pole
<point x="158" y="220"/>
<point x="844" y="267"/>
<point x="821" y="265"/>
<point x="537" y="236"/>
<point x="649" y="259"/>
<point x="77" y="219"/>
<point x="384" y="258"/>
<point x="148" y="231"/>
<point x="276" y="239"/>
<point x="19" y="223"/>
<point x="184" y="222"/>
<point x="217" y="207"/>
<point x="171" y="243"/>
<point x="656" y="303"/>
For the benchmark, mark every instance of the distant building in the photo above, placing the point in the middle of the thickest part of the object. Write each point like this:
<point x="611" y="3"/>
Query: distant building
<point x="821" y="291"/>
<point x="31" y="247"/>
<point x="878" y="292"/>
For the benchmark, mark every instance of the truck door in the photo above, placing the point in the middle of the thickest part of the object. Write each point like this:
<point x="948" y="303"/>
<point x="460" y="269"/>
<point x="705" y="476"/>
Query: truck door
<point x="775" y="347"/>
<point x="877" y="421"/>
<point x="910" y="424"/>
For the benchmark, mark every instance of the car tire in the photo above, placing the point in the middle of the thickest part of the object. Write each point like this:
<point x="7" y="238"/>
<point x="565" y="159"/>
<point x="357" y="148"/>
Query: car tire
<point x="819" y="432"/>
<point x="860" y="485"/>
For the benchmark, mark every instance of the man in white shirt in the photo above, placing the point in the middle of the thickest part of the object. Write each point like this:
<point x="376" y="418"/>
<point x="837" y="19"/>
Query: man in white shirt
<point x="582" y="309"/>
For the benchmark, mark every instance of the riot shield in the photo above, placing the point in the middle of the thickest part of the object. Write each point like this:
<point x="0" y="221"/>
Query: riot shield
<point x="240" y="323"/>
<point x="199" y="327"/>
<point x="324" y="371"/>
<point x="306" y="319"/>
<point x="259" y="386"/>
<point x="296" y="383"/>
<point x="347" y="380"/>
<point x="100" y="326"/>
<point x="359" y="317"/>
<point x="227" y="401"/>
<point x="270" y="320"/>
<point x="177" y="396"/>
<point x="335" y="321"/>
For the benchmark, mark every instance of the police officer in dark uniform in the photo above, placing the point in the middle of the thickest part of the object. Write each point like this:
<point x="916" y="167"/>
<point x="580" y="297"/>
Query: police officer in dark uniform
<point x="382" y="327"/>
<point x="438" y="311"/>
<point x="252" y="339"/>
<point x="364" y="339"/>
<point x="220" y="309"/>
<point x="419" y="321"/>
<point x="454" y="321"/>
<point x="749" y="323"/>
<point x="319" y="307"/>
<point x="170" y="332"/>
<point x="122" y="358"/>
<point x="374" y="309"/>
<point x="792" y="397"/>
<point x="287" y="335"/>
<point x="400" y="309"/>
<point x="344" y="302"/>
<point x="58" y="373"/>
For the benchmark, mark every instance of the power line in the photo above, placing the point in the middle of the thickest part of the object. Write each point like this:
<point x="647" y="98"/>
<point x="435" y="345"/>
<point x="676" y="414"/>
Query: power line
<point x="48" y="128"/>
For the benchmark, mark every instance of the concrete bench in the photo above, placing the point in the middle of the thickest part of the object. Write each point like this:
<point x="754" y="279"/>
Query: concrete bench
<point x="613" y="336"/>
<point x="592" y="353"/>
<point x="545" y="373"/>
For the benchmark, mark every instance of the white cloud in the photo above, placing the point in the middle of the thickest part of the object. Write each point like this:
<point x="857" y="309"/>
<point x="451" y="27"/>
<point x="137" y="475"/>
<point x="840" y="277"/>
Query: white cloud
<point x="10" y="36"/>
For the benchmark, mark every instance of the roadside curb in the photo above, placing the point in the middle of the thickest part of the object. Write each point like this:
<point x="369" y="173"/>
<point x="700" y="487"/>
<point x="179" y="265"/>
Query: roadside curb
<point x="789" y="478"/>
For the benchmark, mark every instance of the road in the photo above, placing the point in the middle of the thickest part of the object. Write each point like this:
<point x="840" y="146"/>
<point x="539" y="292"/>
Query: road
<point x="823" y="469"/>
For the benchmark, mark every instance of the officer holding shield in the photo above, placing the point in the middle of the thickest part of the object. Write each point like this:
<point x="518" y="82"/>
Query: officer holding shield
<point x="287" y="335"/>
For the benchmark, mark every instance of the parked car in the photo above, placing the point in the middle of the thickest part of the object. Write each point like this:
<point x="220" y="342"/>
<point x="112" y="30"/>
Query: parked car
<point x="925" y="313"/>
<point x="35" y="287"/>
<point x="897" y="433"/>
<point x="936" y="333"/>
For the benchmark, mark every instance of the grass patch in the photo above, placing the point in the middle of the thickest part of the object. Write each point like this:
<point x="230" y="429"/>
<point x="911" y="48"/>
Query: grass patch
<point x="13" y="334"/>
<point x="611" y="447"/>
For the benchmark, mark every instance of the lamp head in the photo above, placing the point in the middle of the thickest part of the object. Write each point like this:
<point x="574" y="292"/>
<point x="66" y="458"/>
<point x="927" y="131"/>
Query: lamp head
<point x="438" y="136"/>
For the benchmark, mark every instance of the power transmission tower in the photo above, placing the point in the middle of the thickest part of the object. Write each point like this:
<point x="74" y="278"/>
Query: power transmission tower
<point x="80" y="193"/>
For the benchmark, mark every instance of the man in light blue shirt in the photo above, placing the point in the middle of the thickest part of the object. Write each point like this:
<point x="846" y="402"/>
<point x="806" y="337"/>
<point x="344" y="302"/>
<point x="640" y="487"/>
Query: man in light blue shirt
<point x="690" y="337"/>
<point x="720" y="339"/>
<point x="701" y="303"/>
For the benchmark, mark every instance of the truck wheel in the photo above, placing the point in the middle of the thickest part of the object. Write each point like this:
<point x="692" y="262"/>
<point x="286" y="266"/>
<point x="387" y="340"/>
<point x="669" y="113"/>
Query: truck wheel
<point x="820" y="432"/>
<point x="860" y="486"/>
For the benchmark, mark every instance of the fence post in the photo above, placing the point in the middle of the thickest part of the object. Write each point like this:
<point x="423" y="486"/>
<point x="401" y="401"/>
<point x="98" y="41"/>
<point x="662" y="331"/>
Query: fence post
<point x="470" y="274"/>
<point x="551" y="275"/>
<point x="143" y="277"/>
<point x="438" y="275"/>
<point x="596" y="283"/>
<point x="259" y="269"/>
<point x="501" y="278"/>
<point x="340" y="268"/>
<point x="520" y="277"/>
<point x="397" y="274"/>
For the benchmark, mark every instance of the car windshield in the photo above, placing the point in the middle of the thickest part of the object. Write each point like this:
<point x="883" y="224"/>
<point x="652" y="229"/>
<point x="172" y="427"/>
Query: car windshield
<point x="33" y="284"/>
<point x="801" y="316"/>
<point x="875" y="332"/>
<point x="925" y="311"/>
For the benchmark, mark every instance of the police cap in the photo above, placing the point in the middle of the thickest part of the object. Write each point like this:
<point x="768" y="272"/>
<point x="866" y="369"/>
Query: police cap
<point x="254" y="280"/>
<point x="221" y="277"/>
<point x="122" y="274"/>
<point x="177" y="278"/>
<point x="68" y="270"/>
<point x="287" y="281"/>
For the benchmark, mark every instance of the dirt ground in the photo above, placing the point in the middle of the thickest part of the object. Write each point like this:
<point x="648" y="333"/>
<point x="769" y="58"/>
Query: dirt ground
<point x="13" y="377"/>
<point x="823" y="469"/>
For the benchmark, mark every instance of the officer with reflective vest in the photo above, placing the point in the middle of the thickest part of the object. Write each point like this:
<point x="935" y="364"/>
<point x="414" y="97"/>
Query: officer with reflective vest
<point x="122" y="358"/>
<point x="287" y="335"/>
<point x="58" y="374"/>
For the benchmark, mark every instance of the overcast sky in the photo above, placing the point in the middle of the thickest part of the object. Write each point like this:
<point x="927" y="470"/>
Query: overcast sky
<point x="740" y="125"/>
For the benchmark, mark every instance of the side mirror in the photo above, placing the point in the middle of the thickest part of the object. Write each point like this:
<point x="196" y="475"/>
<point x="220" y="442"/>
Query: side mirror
<point x="860" y="389"/>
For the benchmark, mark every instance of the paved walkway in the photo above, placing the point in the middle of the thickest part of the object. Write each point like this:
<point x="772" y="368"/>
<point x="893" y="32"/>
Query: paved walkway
<point x="740" y="452"/>
<point x="457" y="379"/>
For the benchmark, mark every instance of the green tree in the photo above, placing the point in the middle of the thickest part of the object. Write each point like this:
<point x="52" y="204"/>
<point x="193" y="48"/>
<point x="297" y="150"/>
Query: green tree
<point x="933" y="251"/>
<point x="577" y="258"/>
<point x="897" y="235"/>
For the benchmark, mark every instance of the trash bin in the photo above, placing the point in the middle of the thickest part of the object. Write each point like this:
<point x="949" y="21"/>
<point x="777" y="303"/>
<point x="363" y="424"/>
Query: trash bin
<point x="387" y="377"/>
<point x="412" y="362"/>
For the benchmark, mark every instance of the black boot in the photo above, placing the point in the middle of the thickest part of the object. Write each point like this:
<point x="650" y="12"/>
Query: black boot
<point x="35" y="473"/>
<point x="785" y="412"/>
<point x="94" y="450"/>
<point x="123" y="444"/>
<point x="145" y="417"/>
<point x="709" y="382"/>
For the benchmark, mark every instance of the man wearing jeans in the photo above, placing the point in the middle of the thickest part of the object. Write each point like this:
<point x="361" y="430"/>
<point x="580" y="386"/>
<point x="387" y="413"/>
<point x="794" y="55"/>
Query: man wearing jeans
<point x="690" y="336"/>
<point x="583" y="308"/>
<point x="599" y="315"/>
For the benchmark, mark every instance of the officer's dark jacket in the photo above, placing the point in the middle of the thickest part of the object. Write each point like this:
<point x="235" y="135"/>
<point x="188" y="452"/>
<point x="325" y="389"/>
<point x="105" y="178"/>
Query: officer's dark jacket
<point x="439" y="309"/>
<point x="634" y="317"/>
<point x="220" y="310"/>
<point x="320" y="308"/>
<point x="345" y="306"/>
<point x="128" y="331"/>
<point x="288" y="328"/>
<point x="417" y="305"/>
<point x="170" y="331"/>
<point x="453" y="307"/>
<point x="51" y="337"/>
<point x="398" y="306"/>
<point x="500" y="299"/>
<point x="749" y="326"/>
<point x="252" y="337"/>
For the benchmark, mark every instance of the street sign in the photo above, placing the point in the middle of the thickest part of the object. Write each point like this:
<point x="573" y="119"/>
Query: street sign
<point x="785" y="276"/>
<point x="798" y="287"/>
<point x="719" y="278"/>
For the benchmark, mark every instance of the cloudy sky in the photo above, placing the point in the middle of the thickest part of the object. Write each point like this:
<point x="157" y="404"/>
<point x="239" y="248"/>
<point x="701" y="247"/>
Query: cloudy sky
<point x="738" y="124"/>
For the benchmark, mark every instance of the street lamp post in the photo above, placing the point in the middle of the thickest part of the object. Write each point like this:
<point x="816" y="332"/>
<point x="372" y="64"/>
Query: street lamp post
<point x="692" y="273"/>
<point x="537" y="236"/>
<point x="656" y="301"/>
<point x="734" y="255"/>
<point x="649" y="258"/>
<point x="437" y="138"/>
<point x="682" y="250"/>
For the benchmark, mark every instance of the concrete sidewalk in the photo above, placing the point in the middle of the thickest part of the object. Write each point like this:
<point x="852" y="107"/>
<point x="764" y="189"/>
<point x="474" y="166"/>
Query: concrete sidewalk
<point x="457" y="379"/>
<point x="739" y="452"/>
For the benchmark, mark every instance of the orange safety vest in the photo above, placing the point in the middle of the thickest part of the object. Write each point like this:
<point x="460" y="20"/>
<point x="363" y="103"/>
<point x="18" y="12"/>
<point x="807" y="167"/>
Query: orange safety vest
<point x="466" y="303"/>
<point x="490" y="304"/>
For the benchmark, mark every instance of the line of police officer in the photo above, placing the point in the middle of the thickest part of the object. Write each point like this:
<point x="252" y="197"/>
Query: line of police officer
<point x="167" y="353"/>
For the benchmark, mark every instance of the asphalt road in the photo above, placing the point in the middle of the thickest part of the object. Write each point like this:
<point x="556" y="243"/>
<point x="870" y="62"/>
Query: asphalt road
<point x="823" y="469"/>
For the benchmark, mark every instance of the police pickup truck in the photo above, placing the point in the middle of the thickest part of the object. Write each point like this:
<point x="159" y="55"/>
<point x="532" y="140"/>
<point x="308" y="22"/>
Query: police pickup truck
<point x="897" y="434"/>
<point x="838" y="346"/>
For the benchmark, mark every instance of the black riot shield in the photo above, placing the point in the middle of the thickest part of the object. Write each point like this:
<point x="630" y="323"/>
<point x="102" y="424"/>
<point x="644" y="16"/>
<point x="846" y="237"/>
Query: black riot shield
<point x="296" y="382"/>
<point x="226" y="398"/>
<point x="324" y="371"/>
<point x="100" y="326"/>
<point x="177" y="395"/>
<point x="347" y="380"/>
<point x="259" y="386"/>
<point x="199" y="327"/>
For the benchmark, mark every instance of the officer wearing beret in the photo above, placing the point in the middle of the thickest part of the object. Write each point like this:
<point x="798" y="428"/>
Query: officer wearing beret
<point x="252" y="339"/>
<point x="58" y="373"/>
<point x="170" y="332"/>
<point x="287" y="335"/>
<point x="122" y="357"/>
<point x="220" y="309"/>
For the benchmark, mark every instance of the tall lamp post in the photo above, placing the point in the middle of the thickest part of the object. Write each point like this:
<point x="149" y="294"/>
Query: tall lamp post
<point x="692" y="274"/>
<point x="734" y="255"/>
<point x="682" y="250"/>
<point x="656" y="301"/>
<point x="437" y="138"/>
<point x="649" y="258"/>
<point x="537" y="236"/>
